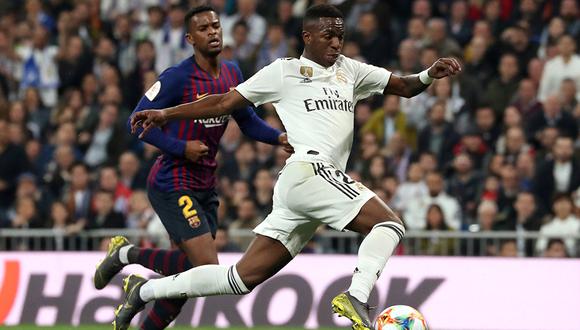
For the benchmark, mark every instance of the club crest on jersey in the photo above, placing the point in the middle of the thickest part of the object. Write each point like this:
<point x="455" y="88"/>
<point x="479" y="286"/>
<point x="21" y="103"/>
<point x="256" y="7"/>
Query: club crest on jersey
<point x="307" y="72"/>
<point x="340" y="76"/>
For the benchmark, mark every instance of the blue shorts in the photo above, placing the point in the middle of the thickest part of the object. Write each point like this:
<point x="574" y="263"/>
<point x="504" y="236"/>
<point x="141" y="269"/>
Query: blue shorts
<point x="186" y="213"/>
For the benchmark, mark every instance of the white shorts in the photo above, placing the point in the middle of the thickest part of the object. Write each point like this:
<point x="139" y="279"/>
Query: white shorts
<point x="308" y="195"/>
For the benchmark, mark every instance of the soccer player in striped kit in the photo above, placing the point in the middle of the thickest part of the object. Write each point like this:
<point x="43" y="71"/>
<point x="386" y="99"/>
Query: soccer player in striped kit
<point x="181" y="183"/>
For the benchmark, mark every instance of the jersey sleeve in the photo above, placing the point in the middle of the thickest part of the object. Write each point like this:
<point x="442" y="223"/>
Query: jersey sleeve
<point x="166" y="92"/>
<point x="369" y="79"/>
<point x="265" y="86"/>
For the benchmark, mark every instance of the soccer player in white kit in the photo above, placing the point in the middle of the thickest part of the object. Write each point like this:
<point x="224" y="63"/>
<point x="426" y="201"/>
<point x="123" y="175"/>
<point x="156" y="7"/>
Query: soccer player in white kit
<point x="314" y="97"/>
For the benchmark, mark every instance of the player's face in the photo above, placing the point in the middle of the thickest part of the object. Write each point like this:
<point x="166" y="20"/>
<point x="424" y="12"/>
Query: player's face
<point x="205" y="33"/>
<point x="324" y="42"/>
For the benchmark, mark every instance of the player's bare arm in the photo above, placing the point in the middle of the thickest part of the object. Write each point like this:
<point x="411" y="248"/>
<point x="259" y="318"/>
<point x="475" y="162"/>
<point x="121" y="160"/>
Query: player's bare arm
<point x="208" y="107"/>
<point x="409" y="86"/>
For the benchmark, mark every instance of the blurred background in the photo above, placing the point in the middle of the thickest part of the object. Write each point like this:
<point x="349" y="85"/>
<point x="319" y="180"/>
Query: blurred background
<point x="484" y="163"/>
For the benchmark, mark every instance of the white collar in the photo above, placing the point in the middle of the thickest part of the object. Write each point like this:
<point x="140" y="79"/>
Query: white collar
<point x="316" y="65"/>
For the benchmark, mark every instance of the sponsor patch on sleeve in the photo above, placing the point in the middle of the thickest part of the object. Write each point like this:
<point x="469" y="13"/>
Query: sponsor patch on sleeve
<point x="153" y="91"/>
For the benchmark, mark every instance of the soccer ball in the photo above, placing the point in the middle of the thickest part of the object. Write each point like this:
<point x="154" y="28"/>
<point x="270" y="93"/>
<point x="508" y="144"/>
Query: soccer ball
<point x="400" y="317"/>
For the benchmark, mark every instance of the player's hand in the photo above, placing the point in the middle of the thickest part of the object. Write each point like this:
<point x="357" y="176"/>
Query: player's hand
<point x="444" y="67"/>
<point x="283" y="139"/>
<point x="195" y="149"/>
<point x="147" y="119"/>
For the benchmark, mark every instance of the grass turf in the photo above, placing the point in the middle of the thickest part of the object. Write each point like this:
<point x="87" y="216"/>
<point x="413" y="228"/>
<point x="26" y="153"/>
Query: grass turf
<point x="103" y="327"/>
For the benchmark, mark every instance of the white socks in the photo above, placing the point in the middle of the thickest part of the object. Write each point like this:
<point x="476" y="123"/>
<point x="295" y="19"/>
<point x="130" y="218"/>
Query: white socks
<point x="207" y="280"/>
<point x="373" y="254"/>
<point x="123" y="254"/>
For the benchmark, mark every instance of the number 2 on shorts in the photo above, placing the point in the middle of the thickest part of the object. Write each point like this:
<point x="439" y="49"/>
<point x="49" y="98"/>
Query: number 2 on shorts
<point x="187" y="204"/>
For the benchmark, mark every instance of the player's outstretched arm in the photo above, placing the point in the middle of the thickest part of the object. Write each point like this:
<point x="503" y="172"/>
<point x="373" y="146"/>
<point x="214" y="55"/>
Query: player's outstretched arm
<point x="208" y="107"/>
<point x="409" y="86"/>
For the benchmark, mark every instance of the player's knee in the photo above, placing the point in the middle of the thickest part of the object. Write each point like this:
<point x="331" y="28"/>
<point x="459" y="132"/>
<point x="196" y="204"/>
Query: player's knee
<point x="396" y="227"/>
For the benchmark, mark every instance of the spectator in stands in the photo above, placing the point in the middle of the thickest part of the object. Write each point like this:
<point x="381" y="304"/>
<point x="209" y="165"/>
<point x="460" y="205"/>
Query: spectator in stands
<point x="552" y="116"/>
<point x="547" y="139"/>
<point x="526" y="100"/>
<point x="39" y="66"/>
<point x="478" y="64"/>
<point x="59" y="221"/>
<point x="435" y="245"/>
<point x="398" y="156"/>
<point x="263" y="190"/>
<point x="417" y="208"/>
<point x="569" y="13"/>
<point x="292" y="24"/>
<point x="247" y="12"/>
<point x="526" y="167"/>
<point x="27" y="186"/>
<point x="58" y="173"/>
<point x="412" y="188"/>
<point x="247" y="219"/>
<point x="550" y="36"/>
<point x="25" y="214"/>
<point x="515" y="144"/>
<point x="508" y="248"/>
<point x="460" y="27"/>
<point x="568" y="92"/>
<point x="244" y="50"/>
<point x="565" y="65"/>
<point x="103" y="215"/>
<point x="125" y="43"/>
<point x="14" y="162"/>
<point x="142" y="216"/>
<point x="135" y="81"/>
<point x="374" y="45"/>
<point x="563" y="223"/>
<point x="558" y="175"/>
<point x="172" y="47"/>
<point x="73" y="62"/>
<point x="486" y="217"/>
<point x="556" y="249"/>
<point x="109" y="181"/>
<point x="130" y="173"/>
<point x="273" y="47"/>
<point x="487" y="126"/>
<point x="509" y="187"/>
<point x="389" y="120"/>
<point x="243" y="166"/>
<point x="104" y="141"/>
<point x="516" y="40"/>
<point x="501" y="89"/>
<point x="437" y="37"/>
<point x="265" y="155"/>
<point x="79" y="195"/>
<point x="223" y="242"/>
<point x="523" y="217"/>
<point x="416" y="32"/>
<point x="472" y="144"/>
<point x="407" y="57"/>
<point x="438" y="137"/>
<point x="464" y="185"/>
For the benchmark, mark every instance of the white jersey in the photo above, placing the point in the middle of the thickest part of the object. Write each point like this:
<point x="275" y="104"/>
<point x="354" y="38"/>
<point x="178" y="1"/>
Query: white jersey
<point x="316" y="104"/>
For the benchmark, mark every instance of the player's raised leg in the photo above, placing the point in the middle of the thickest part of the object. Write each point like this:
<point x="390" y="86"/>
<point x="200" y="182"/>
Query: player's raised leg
<point x="264" y="258"/>
<point x="383" y="230"/>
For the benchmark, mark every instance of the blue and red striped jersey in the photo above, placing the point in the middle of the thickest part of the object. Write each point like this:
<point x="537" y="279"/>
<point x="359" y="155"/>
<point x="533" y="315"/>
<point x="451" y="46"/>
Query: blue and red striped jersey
<point x="184" y="83"/>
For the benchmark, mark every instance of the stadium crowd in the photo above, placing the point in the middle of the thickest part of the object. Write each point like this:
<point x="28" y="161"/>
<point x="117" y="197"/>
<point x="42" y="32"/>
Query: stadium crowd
<point x="495" y="148"/>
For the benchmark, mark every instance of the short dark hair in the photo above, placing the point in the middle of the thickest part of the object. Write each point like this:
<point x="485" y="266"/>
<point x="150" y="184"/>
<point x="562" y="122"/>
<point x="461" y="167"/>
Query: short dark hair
<point x="194" y="11"/>
<point x="323" y="10"/>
